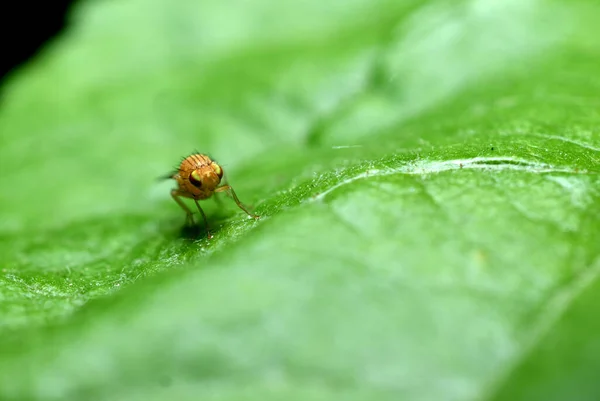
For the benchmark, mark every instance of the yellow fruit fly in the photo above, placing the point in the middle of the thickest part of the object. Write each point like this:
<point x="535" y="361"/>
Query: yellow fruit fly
<point x="198" y="177"/>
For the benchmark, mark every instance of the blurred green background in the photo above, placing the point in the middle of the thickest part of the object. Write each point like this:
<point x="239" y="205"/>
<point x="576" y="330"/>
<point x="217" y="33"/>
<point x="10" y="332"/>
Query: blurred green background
<point x="427" y="173"/>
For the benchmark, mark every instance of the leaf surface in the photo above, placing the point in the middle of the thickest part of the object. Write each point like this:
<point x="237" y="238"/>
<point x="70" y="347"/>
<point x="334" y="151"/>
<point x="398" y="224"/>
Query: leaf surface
<point x="427" y="177"/>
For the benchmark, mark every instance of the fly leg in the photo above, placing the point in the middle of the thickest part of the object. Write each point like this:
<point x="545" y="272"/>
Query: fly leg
<point x="229" y="190"/>
<point x="189" y="217"/>
<point x="208" y="234"/>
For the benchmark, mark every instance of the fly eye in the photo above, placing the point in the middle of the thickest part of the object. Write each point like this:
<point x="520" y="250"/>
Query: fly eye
<point x="218" y="170"/>
<point x="195" y="179"/>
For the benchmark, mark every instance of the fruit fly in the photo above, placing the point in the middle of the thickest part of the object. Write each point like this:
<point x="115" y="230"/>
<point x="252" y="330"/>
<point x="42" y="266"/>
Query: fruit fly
<point x="198" y="177"/>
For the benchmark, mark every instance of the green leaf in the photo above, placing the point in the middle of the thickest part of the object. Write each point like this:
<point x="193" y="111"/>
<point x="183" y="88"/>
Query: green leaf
<point x="427" y="176"/>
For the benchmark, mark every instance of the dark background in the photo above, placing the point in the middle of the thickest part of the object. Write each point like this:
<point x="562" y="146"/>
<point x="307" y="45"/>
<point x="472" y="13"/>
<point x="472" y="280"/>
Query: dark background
<point x="25" y="27"/>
